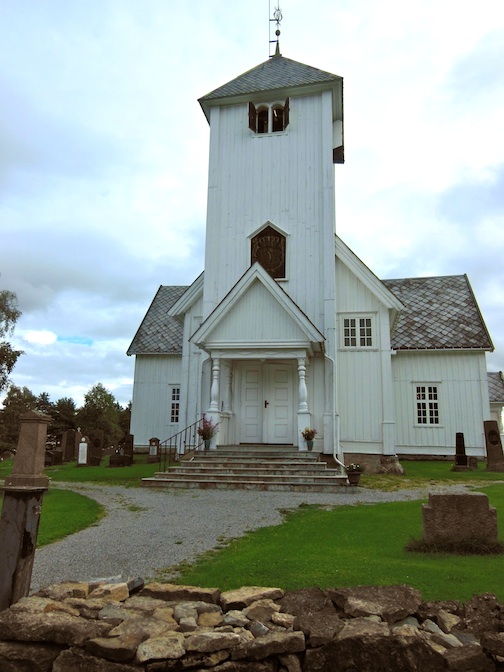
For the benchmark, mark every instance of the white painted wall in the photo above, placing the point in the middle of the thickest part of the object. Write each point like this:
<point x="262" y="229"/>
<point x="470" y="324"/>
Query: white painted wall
<point x="464" y="404"/>
<point x="151" y="402"/>
<point x="286" y="178"/>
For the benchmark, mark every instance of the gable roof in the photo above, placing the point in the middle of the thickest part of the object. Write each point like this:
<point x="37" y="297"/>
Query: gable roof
<point x="307" y="333"/>
<point x="496" y="387"/>
<point x="440" y="313"/>
<point x="159" y="333"/>
<point x="275" y="74"/>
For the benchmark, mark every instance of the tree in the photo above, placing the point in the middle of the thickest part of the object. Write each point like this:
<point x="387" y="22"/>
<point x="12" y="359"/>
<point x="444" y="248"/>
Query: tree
<point x="18" y="401"/>
<point x="64" y="414"/>
<point x="125" y="418"/>
<point x="100" y="411"/>
<point x="9" y="315"/>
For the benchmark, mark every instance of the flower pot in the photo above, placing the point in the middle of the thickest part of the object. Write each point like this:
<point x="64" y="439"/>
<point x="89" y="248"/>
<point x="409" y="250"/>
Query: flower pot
<point x="207" y="443"/>
<point x="354" y="477"/>
<point x="309" y="444"/>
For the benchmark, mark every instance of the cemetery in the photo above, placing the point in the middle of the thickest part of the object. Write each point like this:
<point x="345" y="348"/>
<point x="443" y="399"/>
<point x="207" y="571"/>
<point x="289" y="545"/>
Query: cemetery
<point x="159" y="626"/>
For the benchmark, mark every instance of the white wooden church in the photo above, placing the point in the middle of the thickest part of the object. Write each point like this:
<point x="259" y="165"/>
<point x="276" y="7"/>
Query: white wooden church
<point x="286" y="328"/>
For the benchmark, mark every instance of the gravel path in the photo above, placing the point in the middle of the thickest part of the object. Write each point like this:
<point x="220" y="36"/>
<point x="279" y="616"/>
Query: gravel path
<point x="146" y="530"/>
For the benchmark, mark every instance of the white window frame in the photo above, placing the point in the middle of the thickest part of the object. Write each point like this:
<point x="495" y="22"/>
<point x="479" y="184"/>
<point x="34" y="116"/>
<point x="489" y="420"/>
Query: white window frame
<point x="359" y="328"/>
<point x="427" y="396"/>
<point x="174" y="404"/>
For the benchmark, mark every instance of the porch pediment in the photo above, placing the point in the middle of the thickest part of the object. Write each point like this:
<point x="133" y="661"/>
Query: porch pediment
<point x="257" y="314"/>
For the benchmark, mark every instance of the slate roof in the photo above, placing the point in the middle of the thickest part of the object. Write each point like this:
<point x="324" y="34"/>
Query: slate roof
<point x="496" y="387"/>
<point x="440" y="313"/>
<point x="160" y="334"/>
<point x="275" y="73"/>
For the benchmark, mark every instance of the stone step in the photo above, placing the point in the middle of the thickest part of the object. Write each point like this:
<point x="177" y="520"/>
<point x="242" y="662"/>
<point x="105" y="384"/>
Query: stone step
<point x="294" y="477"/>
<point x="223" y="468"/>
<point x="280" y="468"/>
<point x="333" y="487"/>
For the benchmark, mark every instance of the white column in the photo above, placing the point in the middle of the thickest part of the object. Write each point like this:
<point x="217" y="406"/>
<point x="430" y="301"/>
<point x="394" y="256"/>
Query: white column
<point x="303" y="415"/>
<point x="303" y="392"/>
<point x="214" y="390"/>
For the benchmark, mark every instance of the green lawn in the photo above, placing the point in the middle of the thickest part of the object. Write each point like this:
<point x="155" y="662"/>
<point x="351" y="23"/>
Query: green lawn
<point x="422" y="473"/>
<point x="348" y="546"/>
<point x="71" y="473"/>
<point x="65" y="512"/>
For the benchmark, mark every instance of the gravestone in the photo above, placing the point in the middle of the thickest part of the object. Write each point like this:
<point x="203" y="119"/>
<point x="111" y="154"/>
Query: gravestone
<point x="68" y="445"/>
<point x="96" y="448"/>
<point x="82" y="457"/>
<point x="461" y="461"/>
<point x="123" y="456"/>
<point x="459" y="518"/>
<point x="495" y="457"/>
<point x="154" y="455"/>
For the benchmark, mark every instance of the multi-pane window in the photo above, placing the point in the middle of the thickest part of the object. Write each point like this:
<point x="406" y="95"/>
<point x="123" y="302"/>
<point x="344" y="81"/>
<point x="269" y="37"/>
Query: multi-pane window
<point x="175" y="404"/>
<point x="357" y="332"/>
<point x="427" y="405"/>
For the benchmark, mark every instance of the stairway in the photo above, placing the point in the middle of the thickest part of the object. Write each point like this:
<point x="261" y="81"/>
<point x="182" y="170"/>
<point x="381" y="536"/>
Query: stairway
<point x="280" y="468"/>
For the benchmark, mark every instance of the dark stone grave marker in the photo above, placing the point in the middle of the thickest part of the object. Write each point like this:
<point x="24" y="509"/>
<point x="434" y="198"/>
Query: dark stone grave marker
<point x="96" y="448"/>
<point x="495" y="456"/>
<point x="461" y="461"/>
<point x="124" y="454"/>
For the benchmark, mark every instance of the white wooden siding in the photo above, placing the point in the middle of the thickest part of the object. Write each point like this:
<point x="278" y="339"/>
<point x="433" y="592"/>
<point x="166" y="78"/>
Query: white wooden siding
<point x="463" y="401"/>
<point x="150" y="417"/>
<point x="257" y="318"/>
<point x="243" y="166"/>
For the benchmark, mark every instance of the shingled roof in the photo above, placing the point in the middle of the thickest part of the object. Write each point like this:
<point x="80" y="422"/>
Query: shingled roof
<point x="159" y="334"/>
<point x="496" y="387"/>
<point x="440" y="313"/>
<point x="276" y="73"/>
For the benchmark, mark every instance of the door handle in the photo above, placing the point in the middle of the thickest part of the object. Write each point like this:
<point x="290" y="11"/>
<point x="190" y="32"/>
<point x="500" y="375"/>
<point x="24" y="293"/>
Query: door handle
<point x="266" y="404"/>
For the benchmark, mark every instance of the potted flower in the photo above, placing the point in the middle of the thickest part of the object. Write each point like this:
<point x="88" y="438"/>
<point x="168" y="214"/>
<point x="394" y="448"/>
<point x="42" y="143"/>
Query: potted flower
<point x="207" y="430"/>
<point x="308" y="435"/>
<point x="354" y="471"/>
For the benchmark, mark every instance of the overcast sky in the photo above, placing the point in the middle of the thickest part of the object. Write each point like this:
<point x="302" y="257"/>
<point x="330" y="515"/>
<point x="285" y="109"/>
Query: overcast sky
<point x="104" y="155"/>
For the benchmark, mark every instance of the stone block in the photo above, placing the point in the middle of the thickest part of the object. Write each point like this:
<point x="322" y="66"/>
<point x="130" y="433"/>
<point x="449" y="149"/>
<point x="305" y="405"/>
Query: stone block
<point x="457" y="518"/>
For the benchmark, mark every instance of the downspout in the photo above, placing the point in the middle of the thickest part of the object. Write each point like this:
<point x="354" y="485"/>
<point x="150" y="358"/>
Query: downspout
<point x="337" y="449"/>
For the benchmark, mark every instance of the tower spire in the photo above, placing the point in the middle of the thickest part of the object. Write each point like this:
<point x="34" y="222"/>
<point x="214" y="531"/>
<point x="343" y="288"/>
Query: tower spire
<point x="277" y="17"/>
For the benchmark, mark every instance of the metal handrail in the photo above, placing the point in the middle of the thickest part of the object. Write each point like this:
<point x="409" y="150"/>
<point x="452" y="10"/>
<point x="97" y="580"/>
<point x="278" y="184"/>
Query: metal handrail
<point x="179" y="444"/>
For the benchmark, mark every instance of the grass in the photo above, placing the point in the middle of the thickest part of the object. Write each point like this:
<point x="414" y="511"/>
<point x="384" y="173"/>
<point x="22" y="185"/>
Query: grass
<point x="424" y="473"/>
<point x="345" y="546"/>
<point x="65" y="512"/>
<point x="349" y="546"/>
<point x="104" y="475"/>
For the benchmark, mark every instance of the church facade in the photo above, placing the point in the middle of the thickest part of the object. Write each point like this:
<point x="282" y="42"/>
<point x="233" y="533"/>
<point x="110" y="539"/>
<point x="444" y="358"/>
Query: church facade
<point x="286" y="328"/>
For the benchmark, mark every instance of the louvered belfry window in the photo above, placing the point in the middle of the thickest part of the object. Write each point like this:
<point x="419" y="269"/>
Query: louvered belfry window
<point x="263" y="120"/>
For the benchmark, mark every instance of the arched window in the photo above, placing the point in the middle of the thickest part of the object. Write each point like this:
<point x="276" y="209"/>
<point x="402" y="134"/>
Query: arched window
<point x="278" y="118"/>
<point x="261" y="121"/>
<point x="268" y="248"/>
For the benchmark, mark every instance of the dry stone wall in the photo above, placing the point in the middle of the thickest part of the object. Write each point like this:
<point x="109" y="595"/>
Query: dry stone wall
<point x="120" y="627"/>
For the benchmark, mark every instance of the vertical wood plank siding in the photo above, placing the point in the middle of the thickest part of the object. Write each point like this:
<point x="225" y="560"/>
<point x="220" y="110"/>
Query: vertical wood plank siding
<point x="152" y="397"/>
<point x="460" y="391"/>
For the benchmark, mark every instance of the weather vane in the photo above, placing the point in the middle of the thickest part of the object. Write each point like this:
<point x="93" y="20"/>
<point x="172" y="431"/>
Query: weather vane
<point x="277" y="17"/>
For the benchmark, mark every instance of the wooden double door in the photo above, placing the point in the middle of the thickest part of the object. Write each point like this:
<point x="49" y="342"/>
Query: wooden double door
<point x="267" y="413"/>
